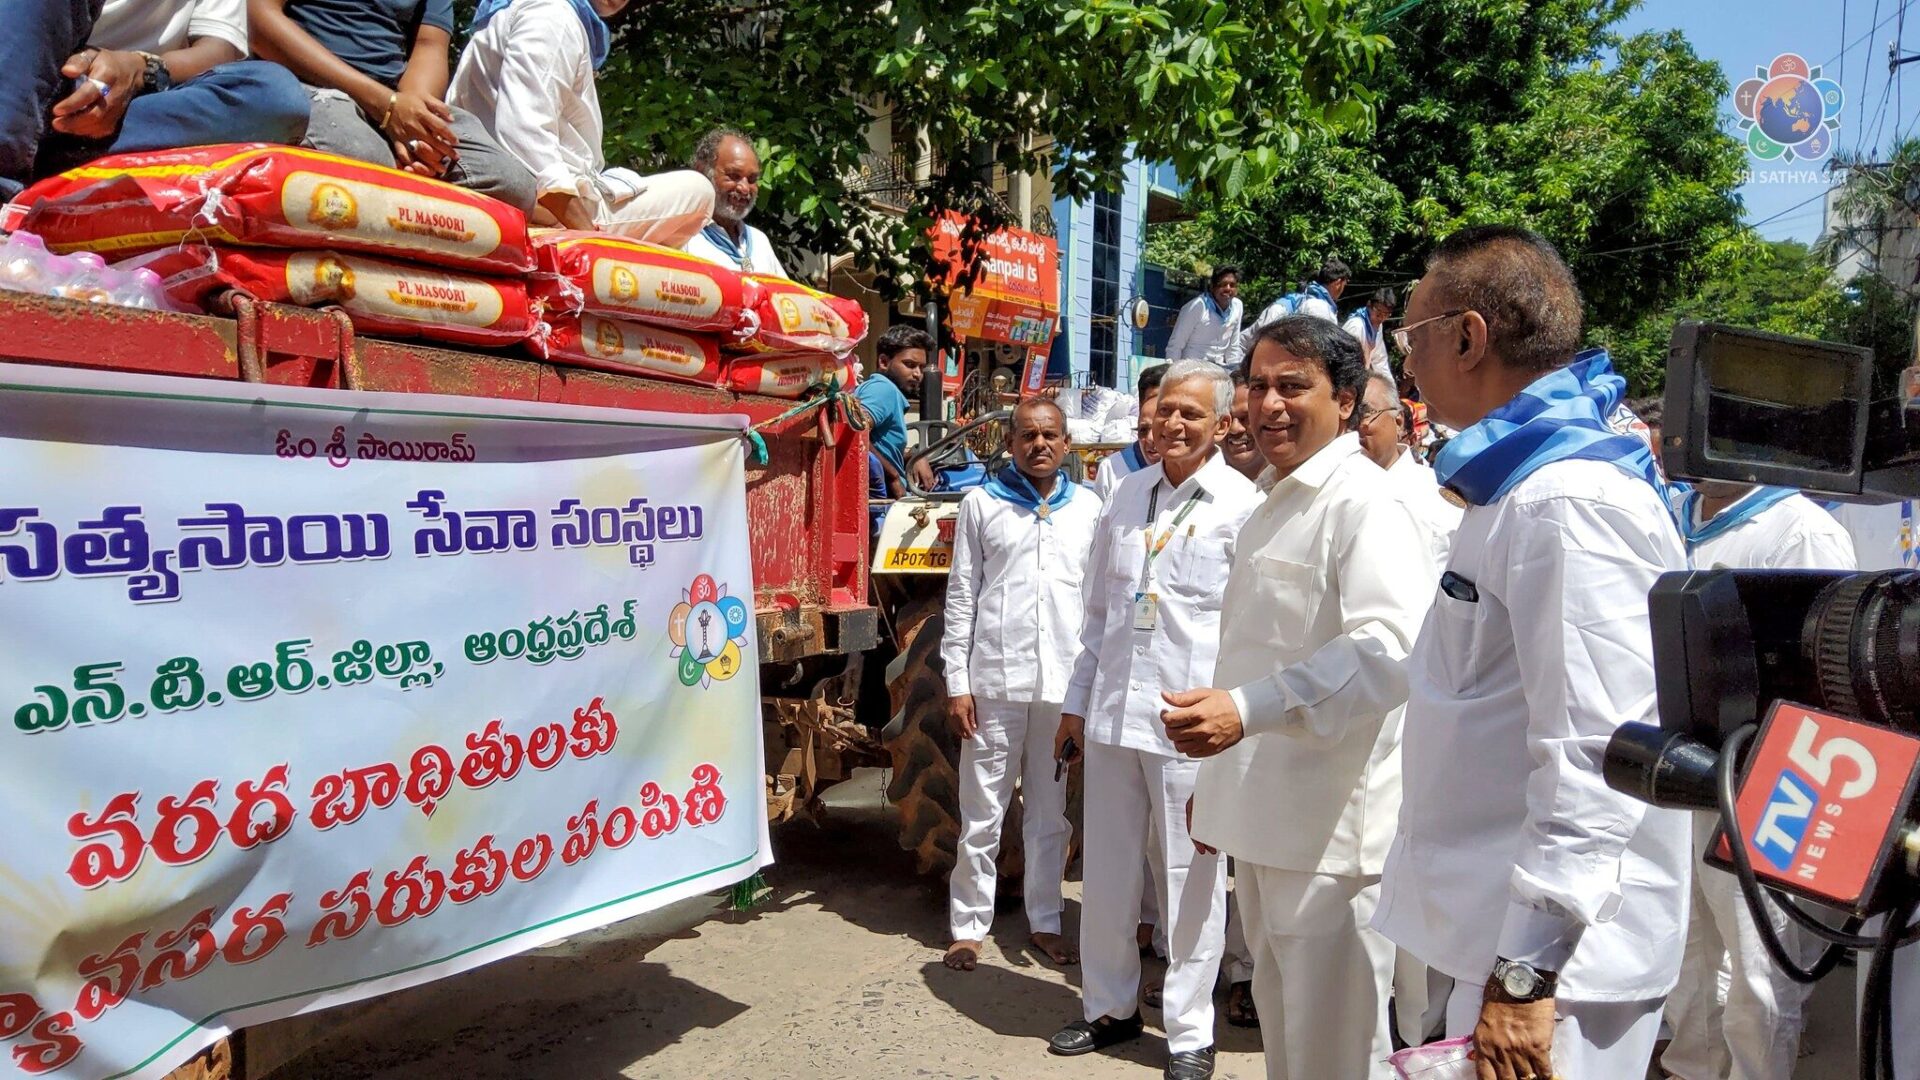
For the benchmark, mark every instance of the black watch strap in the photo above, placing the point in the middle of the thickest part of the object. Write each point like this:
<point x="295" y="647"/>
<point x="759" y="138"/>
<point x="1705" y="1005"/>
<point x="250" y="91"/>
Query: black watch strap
<point x="158" y="78"/>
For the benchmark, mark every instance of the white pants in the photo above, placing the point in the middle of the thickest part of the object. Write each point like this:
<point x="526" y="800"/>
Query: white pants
<point x="1420" y="996"/>
<point x="1592" y="1040"/>
<point x="668" y="212"/>
<point x="1239" y="958"/>
<point x="1906" y="1002"/>
<point x="1125" y="788"/>
<point x="1321" y="974"/>
<point x="1014" y="739"/>
<point x="1750" y="1029"/>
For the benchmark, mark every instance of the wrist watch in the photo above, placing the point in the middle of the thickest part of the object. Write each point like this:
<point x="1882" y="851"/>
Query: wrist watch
<point x="158" y="78"/>
<point x="1520" y="983"/>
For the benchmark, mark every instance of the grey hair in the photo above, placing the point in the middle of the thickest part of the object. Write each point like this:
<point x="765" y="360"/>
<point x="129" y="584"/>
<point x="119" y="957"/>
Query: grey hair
<point x="707" y="152"/>
<point x="1215" y="375"/>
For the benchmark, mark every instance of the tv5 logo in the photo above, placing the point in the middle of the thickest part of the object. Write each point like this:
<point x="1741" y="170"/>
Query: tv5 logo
<point x="1820" y="799"/>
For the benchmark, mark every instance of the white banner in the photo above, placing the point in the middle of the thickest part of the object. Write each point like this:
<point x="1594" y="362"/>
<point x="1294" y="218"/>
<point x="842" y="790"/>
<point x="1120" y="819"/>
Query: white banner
<point x="308" y="696"/>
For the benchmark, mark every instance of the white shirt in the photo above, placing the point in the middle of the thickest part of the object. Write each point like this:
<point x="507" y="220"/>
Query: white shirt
<point x="1413" y="481"/>
<point x="1013" y="597"/>
<point x="1280" y="309"/>
<point x="759" y="256"/>
<point x="1886" y="536"/>
<point x="1373" y="342"/>
<point x="1118" y="679"/>
<point x="161" y="26"/>
<point x="1791" y="534"/>
<point x="1330" y="582"/>
<point x="1511" y="844"/>
<point x="1114" y="468"/>
<point x="528" y="76"/>
<point x="1201" y="334"/>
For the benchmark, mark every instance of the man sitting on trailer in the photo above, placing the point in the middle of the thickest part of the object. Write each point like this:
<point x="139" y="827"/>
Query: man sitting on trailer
<point x="141" y="75"/>
<point x="727" y="158"/>
<point x="376" y="73"/>
<point x="528" y="77"/>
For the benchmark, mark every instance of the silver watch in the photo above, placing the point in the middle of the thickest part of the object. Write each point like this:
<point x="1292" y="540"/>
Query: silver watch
<point x="1522" y="982"/>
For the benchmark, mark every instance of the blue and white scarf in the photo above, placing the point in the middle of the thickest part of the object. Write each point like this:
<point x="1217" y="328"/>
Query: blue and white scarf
<point x="1135" y="459"/>
<point x="1011" y="485"/>
<point x="1561" y="416"/>
<point x="741" y="253"/>
<point x="599" y="38"/>
<point x="1747" y="507"/>
<point x="1214" y="306"/>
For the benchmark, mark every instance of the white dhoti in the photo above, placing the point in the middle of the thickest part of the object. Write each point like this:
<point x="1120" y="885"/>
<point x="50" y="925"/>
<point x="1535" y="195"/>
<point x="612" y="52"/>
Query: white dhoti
<point x="1321" y="975"/>
<point x="666" y="209"/>
<point x="1124" y="788"/>
<point x="1597" y="1039"/>
<point x="1014" y="745"/>
<point x="1750" y="1030"/>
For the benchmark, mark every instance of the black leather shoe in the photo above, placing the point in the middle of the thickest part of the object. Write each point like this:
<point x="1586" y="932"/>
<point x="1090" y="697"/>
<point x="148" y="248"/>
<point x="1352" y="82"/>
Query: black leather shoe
<point x="1081" y="1037"/>
<point x="1191" y="1065"/>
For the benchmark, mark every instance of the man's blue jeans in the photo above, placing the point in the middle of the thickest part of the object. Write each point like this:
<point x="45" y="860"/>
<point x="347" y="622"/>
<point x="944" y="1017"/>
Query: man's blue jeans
<point x="246" y="101"/>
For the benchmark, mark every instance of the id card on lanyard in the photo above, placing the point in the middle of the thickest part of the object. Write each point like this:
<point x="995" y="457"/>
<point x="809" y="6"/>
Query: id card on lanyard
<point x="1146" y="602"/>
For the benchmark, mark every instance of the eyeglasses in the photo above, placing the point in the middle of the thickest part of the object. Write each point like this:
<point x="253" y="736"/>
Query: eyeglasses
<point x="1367" y="415"/>
<point x="1403" y="337"/>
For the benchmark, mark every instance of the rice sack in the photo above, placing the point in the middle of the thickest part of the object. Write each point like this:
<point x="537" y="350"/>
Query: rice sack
<point x="610" y="275"/>
<point x="788" y="375"/>
<point x="790" y="317"/>
<point x="381" y="297"/>
<point x="631" y="348"/>
<point x="269" y="196"/>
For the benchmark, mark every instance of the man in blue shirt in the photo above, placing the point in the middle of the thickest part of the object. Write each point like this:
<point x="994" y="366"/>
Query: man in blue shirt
<point x="903" y="353"/>
<point x="377" y="71"/>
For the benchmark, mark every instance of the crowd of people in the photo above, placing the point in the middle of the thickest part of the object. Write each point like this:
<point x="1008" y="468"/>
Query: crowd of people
<point x="517" y="119"/>
<point x="1342" y="709"/>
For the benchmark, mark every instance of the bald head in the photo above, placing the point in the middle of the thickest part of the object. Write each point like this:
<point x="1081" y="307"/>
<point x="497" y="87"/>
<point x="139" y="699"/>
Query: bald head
<point x="1519" y="285"/>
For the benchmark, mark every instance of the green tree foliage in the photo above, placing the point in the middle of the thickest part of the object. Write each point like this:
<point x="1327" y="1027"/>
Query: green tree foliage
<point x="1226" y="92"/>
<point x="1534" y="114"/>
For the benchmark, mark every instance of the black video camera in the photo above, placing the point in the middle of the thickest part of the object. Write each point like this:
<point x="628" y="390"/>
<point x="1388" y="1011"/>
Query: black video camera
<point x="1789" y="700"/>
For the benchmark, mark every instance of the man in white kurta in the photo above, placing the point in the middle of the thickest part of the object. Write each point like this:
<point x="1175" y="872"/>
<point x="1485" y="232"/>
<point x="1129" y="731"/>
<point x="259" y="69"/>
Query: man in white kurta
<point x="1114" y="467"/>
<point x="1301" y="782"/>
<point x="1153" y="591"/>
<point x="1383" y="433"/>
<point x="1208" y="326"/>
<point x="1557" y="904"/>
<point x="528" y="77"/>
<point x="1012" y="635"/>
<point x="1368" y="325"/>
<point x="1753" y="1031"/>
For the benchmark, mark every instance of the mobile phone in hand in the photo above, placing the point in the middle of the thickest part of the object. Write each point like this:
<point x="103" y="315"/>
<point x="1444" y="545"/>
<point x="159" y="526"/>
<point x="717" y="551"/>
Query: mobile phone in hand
<point x="1067" y="750"/>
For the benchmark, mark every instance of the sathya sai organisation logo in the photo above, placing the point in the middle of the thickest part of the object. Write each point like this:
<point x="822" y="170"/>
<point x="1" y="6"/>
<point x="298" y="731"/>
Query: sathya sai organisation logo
<point x="1789" y="111"/>
<point x="708" y="629"/>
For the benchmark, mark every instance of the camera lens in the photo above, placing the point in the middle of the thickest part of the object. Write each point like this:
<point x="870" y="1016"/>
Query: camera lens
<point x="1862" y="640"/>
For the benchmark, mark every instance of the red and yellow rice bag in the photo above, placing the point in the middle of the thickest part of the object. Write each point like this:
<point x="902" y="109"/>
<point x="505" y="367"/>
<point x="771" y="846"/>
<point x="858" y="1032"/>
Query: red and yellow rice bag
<point x="793" y="318"/>
<point x="269" y="196"/>
<point x="788" y="375"/>
<point x="607" y="344"/>
<point x="381" y="297"/>
<point x="611" y="275"/>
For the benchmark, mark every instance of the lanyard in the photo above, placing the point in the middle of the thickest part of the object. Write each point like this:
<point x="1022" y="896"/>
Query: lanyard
<point x="1154" y="547"/>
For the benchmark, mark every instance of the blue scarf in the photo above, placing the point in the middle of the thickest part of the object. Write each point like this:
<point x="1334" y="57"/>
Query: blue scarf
<point x="1011" y="485"/>
<point x="1214" y="306"/>
<point x="1748" y="505"/>
<point x="1317" y="291"/>
<point x="599" y="38"/>
<point x="741" y="253"/>
<point x="1134" y="458"/>
<point x="1561" y="416"/>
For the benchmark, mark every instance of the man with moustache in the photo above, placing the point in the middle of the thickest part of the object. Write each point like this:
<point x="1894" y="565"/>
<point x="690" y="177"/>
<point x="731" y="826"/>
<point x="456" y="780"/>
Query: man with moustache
<point x="1153" y="590"/>
<point x="727" y="157"/>
<point x="1558" y="905"/>
<point x="1012" y="634"/>
<point x="1383" y="435"/>
<point x="1238" y="446"/>
<point x="1301" y="730"/>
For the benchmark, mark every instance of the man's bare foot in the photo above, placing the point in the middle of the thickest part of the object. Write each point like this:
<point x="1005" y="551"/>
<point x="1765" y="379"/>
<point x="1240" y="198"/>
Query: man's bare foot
<point x="1057" y="948"/>
<point x="963" y="955"/>
<point x="1143" y="937"/>
<point x="1150" y="993"/>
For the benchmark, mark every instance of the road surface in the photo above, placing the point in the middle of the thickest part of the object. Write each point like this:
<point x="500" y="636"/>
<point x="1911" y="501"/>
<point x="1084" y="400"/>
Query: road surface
<point x="837" y="974"/>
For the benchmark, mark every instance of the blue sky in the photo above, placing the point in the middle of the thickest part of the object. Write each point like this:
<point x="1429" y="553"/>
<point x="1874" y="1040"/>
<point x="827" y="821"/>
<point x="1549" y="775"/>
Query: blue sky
<point x="1743" y="34"/>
